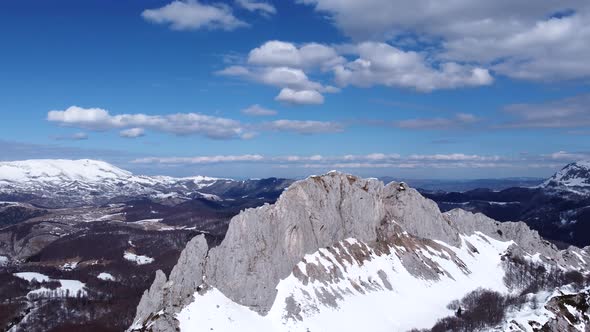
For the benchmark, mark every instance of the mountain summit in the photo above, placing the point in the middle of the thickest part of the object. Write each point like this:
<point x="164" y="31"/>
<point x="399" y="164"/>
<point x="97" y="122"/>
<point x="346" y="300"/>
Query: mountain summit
<point x="59" y="171"/>
<point x="574" y="177"/>
<point x="341" y="253"/>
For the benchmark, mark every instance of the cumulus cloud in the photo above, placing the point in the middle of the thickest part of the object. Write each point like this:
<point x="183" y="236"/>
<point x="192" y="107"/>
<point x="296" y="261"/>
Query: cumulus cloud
<point x="569" y="112"/>
<point x="134" y="125"/>
<point x="304" y="127"/>
<point x="301" y="97"/>
<point x="257" y="110"/>
<point x="280" y="53"/>
<point x="287" y="66"/>
<point x="262" y="7"/>
<point x="459" y="120"/>
<point x="179" y="124"/>
<point x="281" y="77"/>
<point x="193" y="15"/>
<point x="534" y="40"/>
<point x="132" y="132"/>
<point x="296" y="87"/>
<point x="383" y="64"/>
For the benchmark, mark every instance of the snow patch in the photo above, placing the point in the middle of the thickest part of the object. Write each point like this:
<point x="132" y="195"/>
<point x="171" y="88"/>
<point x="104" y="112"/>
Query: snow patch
<point x="106" y="276"/>
<point x="67" y="288"/>
<point x="137" y="259"/>
<point x="30" y="276"/>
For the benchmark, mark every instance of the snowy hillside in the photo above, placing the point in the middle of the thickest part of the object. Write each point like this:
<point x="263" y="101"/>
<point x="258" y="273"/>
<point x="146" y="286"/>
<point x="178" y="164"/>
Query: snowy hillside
<point x="79" y="182"/>
<point x="59" y="170"/>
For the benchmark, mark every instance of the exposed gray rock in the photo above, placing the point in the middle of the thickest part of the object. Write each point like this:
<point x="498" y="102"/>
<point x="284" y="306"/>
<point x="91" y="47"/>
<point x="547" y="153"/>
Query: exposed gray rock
<point x="165" y="298"/>
<point x="569" y="311"/>
<point x="418" y="216"/>
<point x="262" y="245"/>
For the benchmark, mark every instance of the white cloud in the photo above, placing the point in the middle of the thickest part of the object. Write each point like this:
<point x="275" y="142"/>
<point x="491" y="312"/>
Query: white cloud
<point x="569" y="112"/>
<point x="520" y="39"/>
<point x="301" y="97"/>
<point x="91" y="118"/>
<point x="199" y="159"/>
<point x="459" y="120"/>
<point x="373" y="160"/>
<point x="304" y="127"/>
<point x="383" y="64"/>
<point x="297" y="88"/>
<point x="286" y="66"/>
<point x="568" y="156"/>
<point x="288" y="77"/>
<point x="184" y="123"/>
<point x="74" y="137"/>
<point x="262" y="7"/>
<point x="132" y="132"/>
<point x="257" y="110"/>
<point x="284" y="54"/>
<point x="234" y="71"/>
<point x="193" y="15"/>
<point x="179" y="124"/>
<point x="453" y="157"/>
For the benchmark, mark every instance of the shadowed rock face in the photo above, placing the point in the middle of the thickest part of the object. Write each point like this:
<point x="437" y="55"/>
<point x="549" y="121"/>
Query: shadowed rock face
<point x="265" y="245"/>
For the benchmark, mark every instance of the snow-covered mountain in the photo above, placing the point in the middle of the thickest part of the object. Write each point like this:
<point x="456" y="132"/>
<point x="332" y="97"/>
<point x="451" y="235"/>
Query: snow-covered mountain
<point x="67" y="183"/>
<point x="574" y="177"/>
<point x="341" y="253"/>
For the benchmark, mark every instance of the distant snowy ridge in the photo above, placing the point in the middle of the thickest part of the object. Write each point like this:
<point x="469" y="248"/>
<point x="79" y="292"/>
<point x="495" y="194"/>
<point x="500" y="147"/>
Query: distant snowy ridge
<point x="85" y="181"/>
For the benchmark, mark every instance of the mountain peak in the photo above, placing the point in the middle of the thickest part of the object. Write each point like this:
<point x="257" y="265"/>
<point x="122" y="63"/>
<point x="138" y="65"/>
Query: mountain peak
<point x="573" y="176"/>
<point x="59" y="170"/>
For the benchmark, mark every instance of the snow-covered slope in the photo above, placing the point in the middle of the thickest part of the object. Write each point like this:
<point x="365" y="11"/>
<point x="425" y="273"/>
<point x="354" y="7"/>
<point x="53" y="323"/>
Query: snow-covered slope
<point x="574" y="177"/>
<point x="59" y="171"/>
<point x="352" y="287"/>
<point x="340" y="253"/>
<point x="78" y="182"/>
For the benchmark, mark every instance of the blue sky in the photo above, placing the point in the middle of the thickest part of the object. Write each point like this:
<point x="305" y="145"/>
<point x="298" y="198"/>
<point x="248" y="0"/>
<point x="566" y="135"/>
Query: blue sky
<point x="251" y="88"/>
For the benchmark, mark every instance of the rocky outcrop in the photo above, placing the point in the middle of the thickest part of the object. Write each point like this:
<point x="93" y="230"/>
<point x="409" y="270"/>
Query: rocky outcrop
<point x="571" y="312"/>
<point x="264" y="245"/>
<point x="165" y="298"/>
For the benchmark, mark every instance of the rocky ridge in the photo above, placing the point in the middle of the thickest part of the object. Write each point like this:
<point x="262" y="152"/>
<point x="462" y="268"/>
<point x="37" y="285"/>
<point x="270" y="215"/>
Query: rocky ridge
<point x="322" y="228"/>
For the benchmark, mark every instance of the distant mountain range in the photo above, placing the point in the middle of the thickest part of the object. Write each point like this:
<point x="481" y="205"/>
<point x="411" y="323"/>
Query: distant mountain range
<point x="73" y="183"/>
<point x="459" y="185"/>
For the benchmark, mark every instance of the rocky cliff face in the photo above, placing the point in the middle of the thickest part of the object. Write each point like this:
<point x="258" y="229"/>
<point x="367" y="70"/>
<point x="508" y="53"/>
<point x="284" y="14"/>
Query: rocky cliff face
<point x="335" y="241"/>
